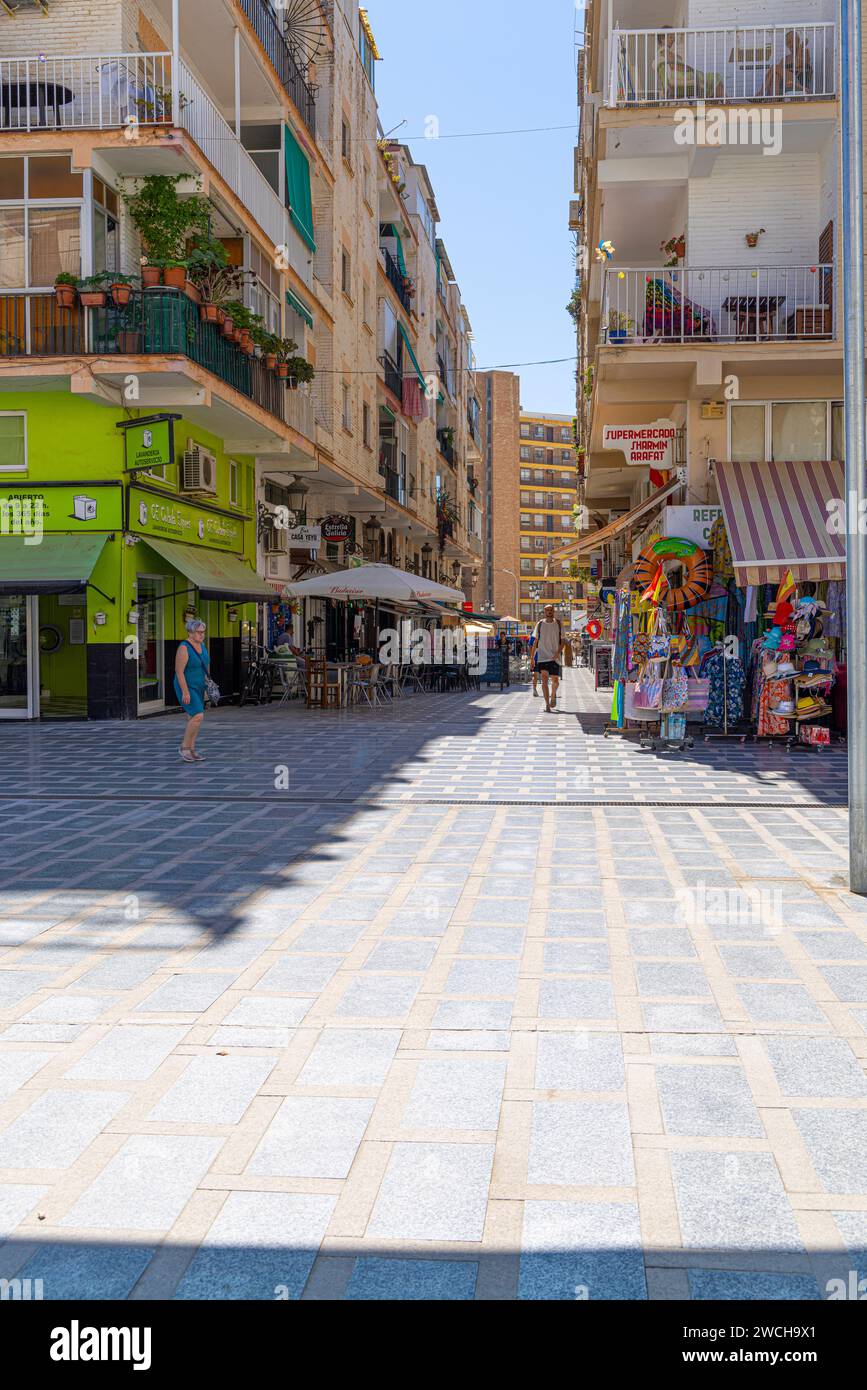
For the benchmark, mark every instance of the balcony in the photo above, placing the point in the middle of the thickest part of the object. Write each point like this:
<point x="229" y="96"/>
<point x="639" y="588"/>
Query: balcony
<point x="446" y="449"/>
<point x="395" y="277"/>
<point x="393" y="379"/>
<point x="718" y="305"/>
<point x="395" y="487"/>
<point x="271" y="37"/>
<point x="161" y="323"/>
<point x="773" y="63"/>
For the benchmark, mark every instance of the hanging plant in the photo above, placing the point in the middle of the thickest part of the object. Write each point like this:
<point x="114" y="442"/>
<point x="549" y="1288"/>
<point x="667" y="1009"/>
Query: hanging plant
<point x="446" y="517"/>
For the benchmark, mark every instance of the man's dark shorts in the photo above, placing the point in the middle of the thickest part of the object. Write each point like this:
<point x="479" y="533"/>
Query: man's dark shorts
<point x="552" y="667"/>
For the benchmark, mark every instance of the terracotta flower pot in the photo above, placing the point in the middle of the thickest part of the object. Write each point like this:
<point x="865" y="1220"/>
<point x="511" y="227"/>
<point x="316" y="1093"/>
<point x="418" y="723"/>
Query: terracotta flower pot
<point x="228" y="327"/>
<point x="129" y="342"/>
<point x="209" y="313"/>
<point x="221" y="315"/>
<point x="237" y="335"/>
<point x="121" y="294"/>
<point x="151" y="276"/>
<point x="283" y="370"/>
<point x="92" y="299"/>
<point x="680" y="248"/>
<point x="270" y="360"/>
<point x="65" y="296"/>
<point x="192" y="292"/>
<point x="175" y="277"/>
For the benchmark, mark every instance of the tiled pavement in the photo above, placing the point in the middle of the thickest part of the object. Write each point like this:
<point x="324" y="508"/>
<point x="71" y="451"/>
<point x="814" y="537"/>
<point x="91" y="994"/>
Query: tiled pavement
<point x="391" y="1042"/>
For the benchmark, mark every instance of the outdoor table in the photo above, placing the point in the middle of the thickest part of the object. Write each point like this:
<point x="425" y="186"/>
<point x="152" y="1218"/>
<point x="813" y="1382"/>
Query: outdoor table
<point x="43" y="95"/>
<point x="754" y="312"/>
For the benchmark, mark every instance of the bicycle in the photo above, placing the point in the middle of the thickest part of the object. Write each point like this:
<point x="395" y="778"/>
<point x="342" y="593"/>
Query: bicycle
<point x="258" y="687"/>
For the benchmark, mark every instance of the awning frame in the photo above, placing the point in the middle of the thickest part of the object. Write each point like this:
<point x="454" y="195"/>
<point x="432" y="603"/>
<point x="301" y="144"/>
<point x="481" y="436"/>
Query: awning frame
<point x="614" y="528"/>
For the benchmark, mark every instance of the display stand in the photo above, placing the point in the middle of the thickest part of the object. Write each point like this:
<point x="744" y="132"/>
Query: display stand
<point x="711" y="734"/>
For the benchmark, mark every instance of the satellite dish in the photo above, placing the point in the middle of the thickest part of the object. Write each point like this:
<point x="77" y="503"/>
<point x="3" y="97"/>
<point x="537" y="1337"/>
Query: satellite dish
<point x="304" y="30"/>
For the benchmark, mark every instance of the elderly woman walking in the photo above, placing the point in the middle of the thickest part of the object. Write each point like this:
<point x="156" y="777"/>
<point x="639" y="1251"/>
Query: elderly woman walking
<point x="191" y="673"/>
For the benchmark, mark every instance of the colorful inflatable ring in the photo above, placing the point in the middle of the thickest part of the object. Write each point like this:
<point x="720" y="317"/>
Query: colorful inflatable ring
<point x="594" y="629"/>
<point x="698" y="571"/>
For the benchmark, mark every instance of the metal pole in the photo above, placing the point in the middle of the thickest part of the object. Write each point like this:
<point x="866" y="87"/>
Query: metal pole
<point x="856" y="439"/>
<point x="176" y="63"/>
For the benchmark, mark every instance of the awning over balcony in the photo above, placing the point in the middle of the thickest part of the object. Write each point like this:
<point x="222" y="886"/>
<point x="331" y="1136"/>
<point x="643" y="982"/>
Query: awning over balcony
<point x="214" y="574"/>
<point x="300" y="308"/>
<point x="776" y="517"/>
<point x="594" y="539"/>
<point x="57" y="565"/>
<point x="408" y="345"/>
<point x="298" y="189"/>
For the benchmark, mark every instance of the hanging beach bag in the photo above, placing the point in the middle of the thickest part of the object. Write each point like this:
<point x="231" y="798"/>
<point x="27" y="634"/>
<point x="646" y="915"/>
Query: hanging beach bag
<point x="660" y="642"/>
<point x="675" y="690"/>
<point x="648" y="693"/>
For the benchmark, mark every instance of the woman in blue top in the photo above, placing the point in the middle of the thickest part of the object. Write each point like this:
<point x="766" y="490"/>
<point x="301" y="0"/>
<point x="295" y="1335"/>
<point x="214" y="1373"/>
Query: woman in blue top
<point x="191" y="668"/>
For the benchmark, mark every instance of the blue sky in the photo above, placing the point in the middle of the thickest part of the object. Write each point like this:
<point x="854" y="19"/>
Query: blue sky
<point x="484" y="65"/>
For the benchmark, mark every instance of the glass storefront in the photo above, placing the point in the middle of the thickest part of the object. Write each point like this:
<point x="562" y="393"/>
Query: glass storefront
<point x="18" y="684"/>
<point x="151" y="656"/>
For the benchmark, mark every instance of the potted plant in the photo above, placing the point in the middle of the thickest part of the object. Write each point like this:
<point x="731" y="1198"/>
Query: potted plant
<point x="121" y="289"/>
<point x="267" y="344"/>
<point x="65" y="287"/>
<point x="291" y="368"/>
<point x="674" y="249"/>
<point x="215" y="281"/>
<point x="165" y="223"/>
<point x="752" y="238"/>
<point x="92" y="291"/>
<point x="175" y="274"/>
<point x="151" y="275"/>
<point x="619" y="327"/>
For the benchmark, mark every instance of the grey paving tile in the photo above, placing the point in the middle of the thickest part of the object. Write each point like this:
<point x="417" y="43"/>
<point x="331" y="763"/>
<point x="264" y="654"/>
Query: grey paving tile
<point x="682" y="1018"/>
<point x="213" y="1091"/>
<point x="57" y="1128"/>
<point x="581" y="1250"/>
<point x="580" y="1061"/>
<point x="17" y="1068"/>
<point x="433" y="1192"/>
<point x="576" y="999"/>
<point x="459" y="1094"/>
<point x="330" y="936"/>
<point x="581" y="1144"/>
<point x="102" y="1272"/>
<point x="735" y="1285"/>
<point x="312" y="1137"/>
<point x="123" y="970"/>
<point x="128" y="1052"/>
<point x="267" y="1012"/>
<point x="816" y="1067"/>
<point x="386" y="996"/>
<point x="473" y="1014"/>
<point x="146" y="1185"/>
<point x="471" y="1040"/>
<point x="431" y="1281"/>
<point x="837" y="1143"/>
<point x="483" y="977"/>
<point x="577" y="957"/>
<point x="229" y="1035"/>
<point x="299" y="974"/>
<point x="15" y="1202"/>
<point x="852" y="1226"/>
<point x="699" y="1045"/>
<point x="350" y="1057"/>
<point x="261" y="1246"/>
<point x="515" y="912"/>
<point x="493" y="941"/>
<point x="186" y="994"/>
<point x="756" y="962"/>
<point x="712" y="1101"/>
<point x="849" y="982"/>
<point x="42" y="1032"/>
<point x="660" y="941"/>
<point x="732" y="1202"/>
<point x="833" y="945"/>
<point x="575" y="924"/>
<point x="661" y="980"/>
<point x="779" y="1004"/>
<point x="17" y="985"/>
<point x="413" y="956"/>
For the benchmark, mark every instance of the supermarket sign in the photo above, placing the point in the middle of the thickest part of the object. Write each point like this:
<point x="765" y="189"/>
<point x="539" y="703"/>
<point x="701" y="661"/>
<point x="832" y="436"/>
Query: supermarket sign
<point x="645" y="446"/>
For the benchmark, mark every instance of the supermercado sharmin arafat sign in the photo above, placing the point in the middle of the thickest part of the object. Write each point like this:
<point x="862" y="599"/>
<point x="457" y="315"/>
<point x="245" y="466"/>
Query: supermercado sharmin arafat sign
<point x="166" y="516"/>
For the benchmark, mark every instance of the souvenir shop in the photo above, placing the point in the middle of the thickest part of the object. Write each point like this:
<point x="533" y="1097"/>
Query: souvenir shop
<point x="738" y="632"/>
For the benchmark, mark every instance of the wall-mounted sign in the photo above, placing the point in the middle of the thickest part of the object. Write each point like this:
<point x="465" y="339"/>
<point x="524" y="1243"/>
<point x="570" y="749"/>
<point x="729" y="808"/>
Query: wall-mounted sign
<point x="149" y="442"/>
<point x="713" y="410"/>
<point x="77" y="508"/>
<point x="305" y="537"/>
<point x="691" y="523"/>
<point x="645" y="446"/>
<point x="337" y="528"/>
<point x="163" y="514"/>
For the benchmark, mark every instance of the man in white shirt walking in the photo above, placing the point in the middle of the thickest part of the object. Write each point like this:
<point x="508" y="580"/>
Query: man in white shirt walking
<point x="548" y="635"/>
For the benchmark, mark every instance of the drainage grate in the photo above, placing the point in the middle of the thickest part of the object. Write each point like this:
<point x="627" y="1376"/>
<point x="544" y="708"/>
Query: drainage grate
<point x="397" y="802"/>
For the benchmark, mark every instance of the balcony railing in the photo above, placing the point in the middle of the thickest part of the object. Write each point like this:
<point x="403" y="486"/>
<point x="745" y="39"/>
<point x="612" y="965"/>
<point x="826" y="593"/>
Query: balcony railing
<point x="393" y="378"/>
<point x="154" y="323"/>
<point x="446" y="449"/>
<point x="271" y="37"/>
<point x="722" y="305"/>
<point x="395" y="277"/>
<point x="85" y="91"/>
<point x="395" y="486"/>
<point x="778" y="62"/>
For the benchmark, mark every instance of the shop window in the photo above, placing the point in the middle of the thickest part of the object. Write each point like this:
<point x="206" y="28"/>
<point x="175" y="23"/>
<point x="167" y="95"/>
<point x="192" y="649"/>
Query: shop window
<point x="234" y="484"/>
<point x="748" y="433"/>
<point x="13" y="441"/>
<point x="799" y="430"/>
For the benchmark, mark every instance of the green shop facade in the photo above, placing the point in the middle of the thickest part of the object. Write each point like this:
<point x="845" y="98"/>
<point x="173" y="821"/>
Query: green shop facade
<point x="113" y="531"/>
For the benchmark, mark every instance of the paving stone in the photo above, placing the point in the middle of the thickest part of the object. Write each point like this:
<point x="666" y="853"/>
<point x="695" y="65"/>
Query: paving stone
<point x="122" y="971"/>
<point x="732" y="1202"/>
<point x="186" y="994"/>
<point x="655" y="979"/>
<point x="17" y="1068"/>
<point x="468" y="1041"/>
<point x="700" y="1045"/>
<point x="259" y="1244"/>
<point x="401" y="955"/>
<point x="710" y="1101"/>
<point x="779" y="1004"/>
<point x="433" y="1192"/>
<point x="577" y="957"/>
<point x="473" y="1014"/>
<point x="268" y="1013"/>
<point x="17" y="985"/>
<point x="833" y="945"/>
<point x="682" y="1018"/>
<point x="816" y="1067"/>
<point x="213" y="1091"/>
<point x="493" y="941"/>
<point x="837" y="1143"/>
<point x="483" y="977"/>
<point x="581" y="1250"/>
<point x="386" y="996"/>
<point x="720" y="1284"/>
<point x="146" y="1185"/>
<point x="105" y="1271"/>
<point x="756" y="962"/>
<point x="456" y="1095"/>
<point x="350" y="1057"/>
<point x="661" y="942"/>
<point x="377" y="1278"/>
<point x="231" y="1036"/>
<point x="504" y="910"/>
<point x="299" y="974"/>
<point x="581" y="1061"/>
<point x="15" y="1202"/>
<point x="330" y="936"/>
<point x="57" y="1128"/>
<point x="849" y="982"/>
<point x="576" y="999"/>
<point x="581" y="1144"/>
<point x="312" y="1137"/>
<point x="128" y="1052"/>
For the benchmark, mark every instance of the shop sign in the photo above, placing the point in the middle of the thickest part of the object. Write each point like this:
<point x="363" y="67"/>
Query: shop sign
<point x="691" y="523"/>
<point x="337" y="528"/>
<point x="166" y="516"/>
<point x="305" y="537"/>
<point x="645" y="446"/>
<point x="67" y="508"/>
<point x="149" y="443"/>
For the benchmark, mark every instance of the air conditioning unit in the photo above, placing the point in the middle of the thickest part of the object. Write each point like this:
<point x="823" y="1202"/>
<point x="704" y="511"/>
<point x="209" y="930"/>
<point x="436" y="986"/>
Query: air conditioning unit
<point x="198" y="471"/>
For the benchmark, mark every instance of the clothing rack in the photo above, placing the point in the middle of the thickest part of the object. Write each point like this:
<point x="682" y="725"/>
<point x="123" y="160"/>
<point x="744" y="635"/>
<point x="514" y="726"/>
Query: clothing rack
<point x="710" y="735"/>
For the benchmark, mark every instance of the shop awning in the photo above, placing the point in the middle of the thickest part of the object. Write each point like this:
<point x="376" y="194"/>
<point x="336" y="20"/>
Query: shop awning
<point x="776" y="517"/>
<point x="300" y="307"/>
<point x="214" y="575"/>
<point x="57" y="565"/>
<point x="594" y="539"/>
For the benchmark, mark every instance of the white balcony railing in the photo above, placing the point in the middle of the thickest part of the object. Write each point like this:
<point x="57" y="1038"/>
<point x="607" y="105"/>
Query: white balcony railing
<point x="778" y="62"/>
<point x="85" y="91"/>
<point x="718" y="304"/>
<point x="300" y="413"/>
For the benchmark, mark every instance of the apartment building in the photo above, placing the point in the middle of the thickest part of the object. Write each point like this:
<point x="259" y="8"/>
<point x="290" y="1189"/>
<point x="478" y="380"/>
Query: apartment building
<point x="708" y="291"/>
<point x="157" y="446"/>
<point x="532" y="493"/>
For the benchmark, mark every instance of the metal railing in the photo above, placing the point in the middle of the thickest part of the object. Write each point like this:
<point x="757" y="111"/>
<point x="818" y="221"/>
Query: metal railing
<point x="447" y="450"/>
<point x="271" y="37"/>
<point x="85" y="91"/>
<point x="395" y="277"/>
<point x="718" y="304"/>
<point x="300" y="413"/>
<point x="393" y="378"/>
<point x="776" y="62"/>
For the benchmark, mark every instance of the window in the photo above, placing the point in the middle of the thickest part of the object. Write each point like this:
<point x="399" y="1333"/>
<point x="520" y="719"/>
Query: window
<point x="526" y="521"/>
<point x="365" y="304"/>
<point x="106" y="231"/>
<point x="233" y="484"/>
<point x="346" y="140"/>
<point x="799" y="430"/>
<point x="525" y="475"/>
<point x="538" y="431"/>
<point x="365" y="182"/>
<point x="566" y="480"/>
<point x="346" y="272"/>
<point x="525" y="499"/>
<point x="783" y="431"/>
<point x="37" y="241"/>
<point x="748" y="433"/>
<point x="565" y="435"/>
<point x="347" y="407"/>
<point x="525" y="431"/>
<point x="525" y="452"/>
<point x="838" y="432"/>
<point x="263" y="142"/>
<point x="539" y="455"/>
<point x="13" y="441"/>
<point x="365" y="424"/>
<point x="263" y="294"/>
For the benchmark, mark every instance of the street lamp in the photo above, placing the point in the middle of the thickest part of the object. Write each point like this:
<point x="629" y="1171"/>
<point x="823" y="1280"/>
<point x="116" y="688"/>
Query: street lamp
<point x="512" y="575"/>
<point x="297" y="497"/>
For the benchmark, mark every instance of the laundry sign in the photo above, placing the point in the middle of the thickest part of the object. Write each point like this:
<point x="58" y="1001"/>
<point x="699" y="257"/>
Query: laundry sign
<point x="645" y="446"/>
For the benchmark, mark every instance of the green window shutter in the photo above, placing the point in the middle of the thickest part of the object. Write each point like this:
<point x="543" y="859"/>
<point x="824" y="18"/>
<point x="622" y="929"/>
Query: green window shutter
<point x="408" y="346"/>
<point x="300" y="307"/>
<point x="298" y="189"/>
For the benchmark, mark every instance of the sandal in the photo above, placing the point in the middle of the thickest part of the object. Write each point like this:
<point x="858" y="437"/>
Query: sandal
<point x="186" y="755"/>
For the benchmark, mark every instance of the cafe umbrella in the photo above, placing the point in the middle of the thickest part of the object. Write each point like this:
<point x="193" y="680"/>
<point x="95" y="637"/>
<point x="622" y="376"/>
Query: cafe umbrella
<point x="373" y="583"/>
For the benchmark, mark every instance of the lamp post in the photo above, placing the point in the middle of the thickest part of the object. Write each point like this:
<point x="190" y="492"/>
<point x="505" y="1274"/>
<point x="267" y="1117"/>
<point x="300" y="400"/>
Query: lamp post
<point x="512" y="575"/>
<point x="856" y="438"/>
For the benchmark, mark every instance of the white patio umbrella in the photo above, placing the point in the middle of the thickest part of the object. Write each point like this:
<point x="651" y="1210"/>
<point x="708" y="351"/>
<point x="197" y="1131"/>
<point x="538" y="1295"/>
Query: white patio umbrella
<point x="382" y="582"/>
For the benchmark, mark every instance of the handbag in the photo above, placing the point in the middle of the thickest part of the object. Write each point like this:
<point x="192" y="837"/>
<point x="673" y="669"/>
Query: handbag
<point x="212" y="691"/>
<point x="675" y="690"/>
<point x="632" y="710"/>
<point x="648" y="693"/>
<point x="660" y="642"/>
<point x="698" y="694"/>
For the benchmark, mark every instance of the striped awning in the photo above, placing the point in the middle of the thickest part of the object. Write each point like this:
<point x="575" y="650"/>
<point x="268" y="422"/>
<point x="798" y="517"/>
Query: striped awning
<point x="776" y="516"/>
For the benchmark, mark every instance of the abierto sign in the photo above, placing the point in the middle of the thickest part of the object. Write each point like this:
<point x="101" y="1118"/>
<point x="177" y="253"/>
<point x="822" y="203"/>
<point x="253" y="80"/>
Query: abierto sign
<point x="644" y="446"/>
